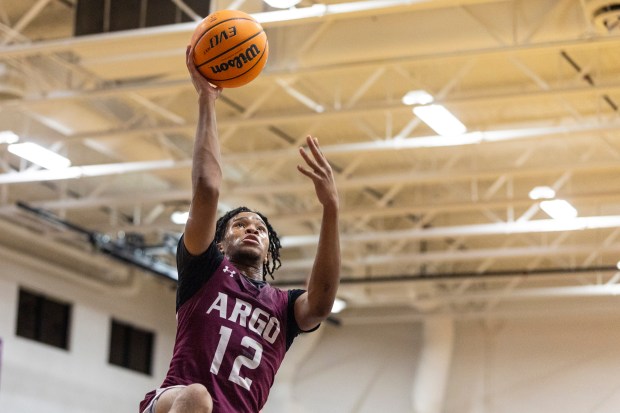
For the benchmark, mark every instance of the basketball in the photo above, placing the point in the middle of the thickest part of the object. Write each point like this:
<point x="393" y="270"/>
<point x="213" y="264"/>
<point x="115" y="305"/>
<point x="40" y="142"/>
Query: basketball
<point x="230" y="48"/>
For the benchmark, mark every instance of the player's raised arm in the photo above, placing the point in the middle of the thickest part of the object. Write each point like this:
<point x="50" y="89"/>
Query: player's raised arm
<point x="206" y="166"/>
<point x="312" y="307"/>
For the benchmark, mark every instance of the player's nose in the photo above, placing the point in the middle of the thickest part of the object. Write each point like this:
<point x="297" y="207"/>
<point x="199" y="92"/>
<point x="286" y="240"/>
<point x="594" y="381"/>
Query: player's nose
<point x="251" y="229"/>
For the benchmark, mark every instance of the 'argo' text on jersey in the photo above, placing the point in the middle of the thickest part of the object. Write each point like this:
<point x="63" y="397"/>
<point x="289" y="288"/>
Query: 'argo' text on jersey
<point x="256" y="319"/>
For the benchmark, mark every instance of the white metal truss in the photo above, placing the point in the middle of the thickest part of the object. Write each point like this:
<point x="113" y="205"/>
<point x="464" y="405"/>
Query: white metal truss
<point x="536" y="83"/>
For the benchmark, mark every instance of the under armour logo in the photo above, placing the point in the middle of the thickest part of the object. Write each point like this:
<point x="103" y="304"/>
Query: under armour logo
<point x="230" y="272"/>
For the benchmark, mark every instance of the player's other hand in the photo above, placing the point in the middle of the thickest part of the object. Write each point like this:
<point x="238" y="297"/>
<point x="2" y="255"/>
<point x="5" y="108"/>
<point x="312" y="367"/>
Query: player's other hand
<point x="320" y="172"/>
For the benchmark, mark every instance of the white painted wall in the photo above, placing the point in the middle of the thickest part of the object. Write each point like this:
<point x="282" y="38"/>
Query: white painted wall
<point x="362" y="369"/>
<point x="540" y="365"/>
<point x="39" y="378"/>
<point x="534" y="362"/>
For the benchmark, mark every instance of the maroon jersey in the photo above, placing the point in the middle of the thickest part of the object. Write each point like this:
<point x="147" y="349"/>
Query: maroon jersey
<point x="232" y="333"/>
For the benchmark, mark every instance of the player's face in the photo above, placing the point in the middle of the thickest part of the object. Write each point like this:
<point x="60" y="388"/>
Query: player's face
<point x="246" y="236"/>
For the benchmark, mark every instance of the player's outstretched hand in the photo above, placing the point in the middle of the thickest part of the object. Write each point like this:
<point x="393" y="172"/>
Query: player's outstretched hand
<point x="201" y="84"/>
<point x="320" y="171"/>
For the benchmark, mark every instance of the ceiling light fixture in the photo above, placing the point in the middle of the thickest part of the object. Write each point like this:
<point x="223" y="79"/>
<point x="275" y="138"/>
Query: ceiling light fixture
<point x="179" y="217"/>
<point x="339" y="305"/>
<point x="542" y="192"/>
<point x="282" y="4"/>
<point x="440" y="119"/>
<point x="417" y="97"/>
<point x="7" y="136"/>
<point x="294" y="13"/>
<point x="559" y="209"/>
<point x="39" y="155"/>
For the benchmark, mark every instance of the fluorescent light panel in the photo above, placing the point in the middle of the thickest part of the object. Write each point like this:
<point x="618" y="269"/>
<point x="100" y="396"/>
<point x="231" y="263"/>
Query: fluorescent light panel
<point x="559" y="209"/>
<point x="323" y="10"/>
<point x="316" y="10"/>
<point x="282" y="4"/>
<point x="39" y="155"/>
<point x="440" y="119"/>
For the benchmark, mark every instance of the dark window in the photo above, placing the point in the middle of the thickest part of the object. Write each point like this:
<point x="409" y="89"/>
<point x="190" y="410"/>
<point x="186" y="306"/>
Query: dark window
<point x="159" y="13"/>
<point x="43" y="319"/>
<point x="131" y="347"/>
<point x="89" y="17"/>
<point x="102" y="16"/>
<point x="125" y="15"/>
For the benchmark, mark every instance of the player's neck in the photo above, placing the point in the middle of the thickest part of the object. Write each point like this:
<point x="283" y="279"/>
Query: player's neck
<point x="250" y="271"/>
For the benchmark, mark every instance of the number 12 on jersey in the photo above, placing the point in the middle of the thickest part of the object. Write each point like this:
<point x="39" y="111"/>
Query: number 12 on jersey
<point x="240" y="361"/>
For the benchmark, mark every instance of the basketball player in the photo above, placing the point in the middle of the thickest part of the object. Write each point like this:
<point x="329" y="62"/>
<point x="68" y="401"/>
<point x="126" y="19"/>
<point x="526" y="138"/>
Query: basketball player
<point x="233" y="328"/>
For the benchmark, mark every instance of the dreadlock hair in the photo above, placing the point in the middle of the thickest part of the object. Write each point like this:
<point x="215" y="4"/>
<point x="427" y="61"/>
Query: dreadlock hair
<point x="273" y="260"/>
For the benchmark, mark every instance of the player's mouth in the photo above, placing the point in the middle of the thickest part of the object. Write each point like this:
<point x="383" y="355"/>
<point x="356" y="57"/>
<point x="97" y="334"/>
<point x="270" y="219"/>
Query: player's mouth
<point x="252" y="239"/>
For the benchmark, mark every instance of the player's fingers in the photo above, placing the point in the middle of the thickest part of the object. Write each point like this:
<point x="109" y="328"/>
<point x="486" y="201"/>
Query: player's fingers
<point x="309" y="173"/>
<point x="187" y="50"/>
<point x="189" y="61"/>
<point x="313" y="144"/>
<point x="318" y="162"/>
<point x="311" y="162"/>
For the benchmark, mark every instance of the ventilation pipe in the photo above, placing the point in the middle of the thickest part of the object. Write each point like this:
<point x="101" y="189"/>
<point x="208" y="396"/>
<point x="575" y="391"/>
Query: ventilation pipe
<point x="604" y="15"/>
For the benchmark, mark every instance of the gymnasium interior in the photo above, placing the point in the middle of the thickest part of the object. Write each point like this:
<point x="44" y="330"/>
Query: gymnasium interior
<point x="480" y="250"/>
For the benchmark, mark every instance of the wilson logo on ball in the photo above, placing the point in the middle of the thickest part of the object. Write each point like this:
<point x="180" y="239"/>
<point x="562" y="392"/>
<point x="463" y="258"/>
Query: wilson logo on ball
<point x="238" y="61"/>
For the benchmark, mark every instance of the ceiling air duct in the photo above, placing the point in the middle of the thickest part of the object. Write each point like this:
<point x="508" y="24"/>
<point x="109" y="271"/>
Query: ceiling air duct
<point x="605" y="15"/>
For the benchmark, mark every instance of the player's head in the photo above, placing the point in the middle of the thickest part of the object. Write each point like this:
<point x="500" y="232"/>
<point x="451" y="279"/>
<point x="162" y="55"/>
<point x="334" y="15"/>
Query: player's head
<point x="271" y="260"/>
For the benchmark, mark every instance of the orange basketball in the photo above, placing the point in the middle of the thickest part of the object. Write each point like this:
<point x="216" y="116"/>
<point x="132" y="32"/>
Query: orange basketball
<point x="230" y="48"/>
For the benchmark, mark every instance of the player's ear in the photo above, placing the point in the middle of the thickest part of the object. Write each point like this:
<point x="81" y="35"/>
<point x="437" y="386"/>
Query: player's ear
<point x="220" y="247"/>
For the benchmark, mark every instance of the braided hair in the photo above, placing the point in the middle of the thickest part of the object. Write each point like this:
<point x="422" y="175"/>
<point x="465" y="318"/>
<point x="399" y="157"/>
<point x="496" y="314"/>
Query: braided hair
<point x="273" y="260"/>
